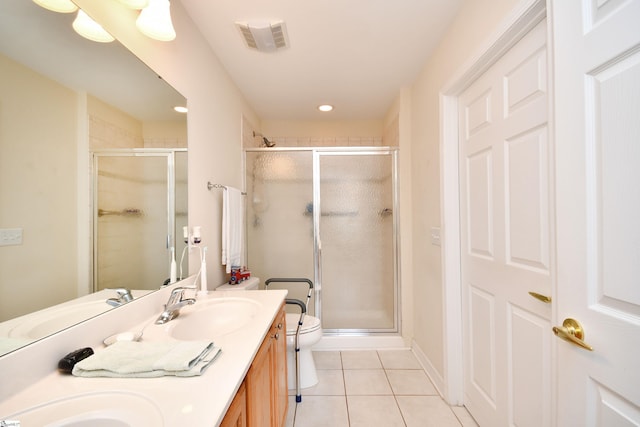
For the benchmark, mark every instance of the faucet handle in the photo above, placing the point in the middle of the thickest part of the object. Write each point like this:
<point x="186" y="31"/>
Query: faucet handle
<point x="124" y="294"/>
<point x="176" y="296"/>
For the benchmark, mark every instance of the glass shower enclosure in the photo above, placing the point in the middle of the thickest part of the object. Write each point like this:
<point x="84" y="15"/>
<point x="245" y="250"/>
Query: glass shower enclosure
<point x="330" y="215"/>
<point x="139" y="205"/>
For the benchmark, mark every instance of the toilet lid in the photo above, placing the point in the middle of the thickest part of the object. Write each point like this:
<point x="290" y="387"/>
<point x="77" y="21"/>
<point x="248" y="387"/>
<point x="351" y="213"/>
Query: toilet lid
<point x="309" y="324"/>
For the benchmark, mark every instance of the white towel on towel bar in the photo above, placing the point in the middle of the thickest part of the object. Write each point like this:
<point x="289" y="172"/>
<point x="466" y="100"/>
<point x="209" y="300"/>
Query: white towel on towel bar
<point x="231" y="228"/>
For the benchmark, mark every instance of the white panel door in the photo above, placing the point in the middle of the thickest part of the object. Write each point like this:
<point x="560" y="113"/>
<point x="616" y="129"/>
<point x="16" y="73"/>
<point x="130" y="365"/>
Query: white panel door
<point x="505" y="238"/>
<point x="597" y="110"/>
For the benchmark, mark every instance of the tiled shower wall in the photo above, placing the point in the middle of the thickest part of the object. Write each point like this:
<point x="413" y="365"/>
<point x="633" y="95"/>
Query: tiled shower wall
<point x="251" y="138"/>
<point x="327" y="141"/>
<point x="105" y="134"/>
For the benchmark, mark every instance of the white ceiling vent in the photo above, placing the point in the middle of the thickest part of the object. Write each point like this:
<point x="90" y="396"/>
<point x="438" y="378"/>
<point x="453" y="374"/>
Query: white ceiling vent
<point x="264" y="36"/>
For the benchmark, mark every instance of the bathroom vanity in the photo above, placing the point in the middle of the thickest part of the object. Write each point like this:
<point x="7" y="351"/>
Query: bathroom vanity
<point x="245" y="385"/>
<point x="262" y="399"/>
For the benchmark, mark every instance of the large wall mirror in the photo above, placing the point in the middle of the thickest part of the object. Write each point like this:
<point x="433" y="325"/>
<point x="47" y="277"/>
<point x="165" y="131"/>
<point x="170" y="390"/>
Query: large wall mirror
<point x="92" y="174"/>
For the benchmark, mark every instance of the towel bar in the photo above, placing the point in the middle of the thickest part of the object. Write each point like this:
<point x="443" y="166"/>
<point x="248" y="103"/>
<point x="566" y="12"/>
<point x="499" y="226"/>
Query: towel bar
<point x="211" y="186"/>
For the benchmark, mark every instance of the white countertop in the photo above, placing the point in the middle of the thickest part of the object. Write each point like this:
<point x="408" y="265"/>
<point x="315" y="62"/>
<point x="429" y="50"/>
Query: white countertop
<point x="193" y="401"/>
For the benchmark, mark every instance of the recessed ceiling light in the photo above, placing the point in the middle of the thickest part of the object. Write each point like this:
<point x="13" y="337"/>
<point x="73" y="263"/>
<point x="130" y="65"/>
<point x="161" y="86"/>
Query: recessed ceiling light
<point x="180" y="109"/>
<point x="325" y="107"/>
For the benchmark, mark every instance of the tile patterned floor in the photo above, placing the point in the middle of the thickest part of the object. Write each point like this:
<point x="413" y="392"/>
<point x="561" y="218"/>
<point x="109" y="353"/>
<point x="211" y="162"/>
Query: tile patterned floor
<point x="384" y="388"/>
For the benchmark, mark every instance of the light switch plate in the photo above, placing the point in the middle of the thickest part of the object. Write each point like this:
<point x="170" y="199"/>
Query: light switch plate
<point x="435" y="236"/>
<point x="10" y="236"/>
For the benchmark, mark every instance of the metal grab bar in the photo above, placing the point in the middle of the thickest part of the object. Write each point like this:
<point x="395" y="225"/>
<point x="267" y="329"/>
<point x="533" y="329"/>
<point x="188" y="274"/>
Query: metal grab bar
<point x="303" y="311"/>
<point x="291" y="280"/>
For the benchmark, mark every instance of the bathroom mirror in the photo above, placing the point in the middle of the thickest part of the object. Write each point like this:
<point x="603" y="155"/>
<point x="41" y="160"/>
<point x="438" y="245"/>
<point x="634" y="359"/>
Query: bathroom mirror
<point x="63" y="97"/>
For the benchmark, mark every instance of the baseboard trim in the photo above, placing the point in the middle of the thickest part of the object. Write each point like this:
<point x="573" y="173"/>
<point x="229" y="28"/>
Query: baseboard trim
<point x="339" y="343"/>
<point x="431" y="371"/>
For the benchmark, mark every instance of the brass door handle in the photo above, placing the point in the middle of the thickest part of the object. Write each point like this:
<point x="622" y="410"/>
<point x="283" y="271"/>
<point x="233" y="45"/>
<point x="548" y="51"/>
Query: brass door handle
<point x="571" y="330"/>
<point x="541" y="297"/>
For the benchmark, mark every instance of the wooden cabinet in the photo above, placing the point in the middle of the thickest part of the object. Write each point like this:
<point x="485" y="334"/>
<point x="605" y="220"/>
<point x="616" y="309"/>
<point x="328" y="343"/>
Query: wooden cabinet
<point x="259" y="386"/>
<point x="280" y="383"/>
<point x="236" y="415"/>
<point x="265" y="386"/>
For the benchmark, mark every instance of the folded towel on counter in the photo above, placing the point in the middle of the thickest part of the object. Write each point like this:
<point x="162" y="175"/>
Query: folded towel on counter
<point x="125" y="359"/>
<point x="232" y="228"/>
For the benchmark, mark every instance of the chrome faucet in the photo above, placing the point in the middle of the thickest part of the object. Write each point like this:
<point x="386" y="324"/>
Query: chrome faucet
<point x="173" y="305"/>
<point x="124" y="296"/>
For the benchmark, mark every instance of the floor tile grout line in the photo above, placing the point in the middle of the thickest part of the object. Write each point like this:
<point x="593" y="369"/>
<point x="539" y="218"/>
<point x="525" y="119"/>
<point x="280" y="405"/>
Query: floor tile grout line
<point x="393" y="393"/>
<point x="344" y="385"/>
<point x="395" y="398"/>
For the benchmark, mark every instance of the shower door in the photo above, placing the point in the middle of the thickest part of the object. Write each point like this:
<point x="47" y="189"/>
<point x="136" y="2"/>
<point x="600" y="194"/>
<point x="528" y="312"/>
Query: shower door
<point x="328" y="215"/>
<point x="279" y="234"/>
<point x="139" y="199"/>
<point x="354" y="219"/>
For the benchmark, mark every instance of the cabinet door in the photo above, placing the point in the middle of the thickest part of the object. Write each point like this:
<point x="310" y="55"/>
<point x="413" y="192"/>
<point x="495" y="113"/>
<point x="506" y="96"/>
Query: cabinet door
<point x="258" y="382"/>
<point x="236" y="415"/>
<point x="281" y="399"/>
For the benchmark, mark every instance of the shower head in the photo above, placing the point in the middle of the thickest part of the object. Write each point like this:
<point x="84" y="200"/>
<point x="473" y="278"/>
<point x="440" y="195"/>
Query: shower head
<point x="268" y="143"/>
<point x="265" y="141"/>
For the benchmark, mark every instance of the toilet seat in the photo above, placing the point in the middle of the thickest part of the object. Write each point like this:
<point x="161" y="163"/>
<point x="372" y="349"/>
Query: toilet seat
<point x="309" y="324"/>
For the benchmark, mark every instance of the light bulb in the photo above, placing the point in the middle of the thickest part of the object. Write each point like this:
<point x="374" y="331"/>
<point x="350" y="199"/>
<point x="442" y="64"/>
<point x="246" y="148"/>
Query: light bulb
<point x="135" y="4"/>
<point x="155" y="21"/>
<point x="60" y="6"/>
<point x="90" y="29"/>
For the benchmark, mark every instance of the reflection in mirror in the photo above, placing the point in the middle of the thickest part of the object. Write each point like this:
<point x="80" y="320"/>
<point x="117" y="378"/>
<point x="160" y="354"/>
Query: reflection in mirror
<point x="141" y="204"/>
<point x="64" y="101"/>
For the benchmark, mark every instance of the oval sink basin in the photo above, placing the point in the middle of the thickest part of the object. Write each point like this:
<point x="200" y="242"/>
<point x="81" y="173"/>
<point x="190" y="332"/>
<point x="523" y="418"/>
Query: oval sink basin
<point x="212" y="318"/>
<point x="40" y="325"/>
<point x="101" y="409"/>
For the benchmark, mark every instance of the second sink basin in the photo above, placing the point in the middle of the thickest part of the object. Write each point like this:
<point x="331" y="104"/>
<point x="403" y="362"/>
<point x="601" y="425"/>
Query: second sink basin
<point x="47" y="322"/>
<point x="208" y="319"/>
<point x="109" y="408"/>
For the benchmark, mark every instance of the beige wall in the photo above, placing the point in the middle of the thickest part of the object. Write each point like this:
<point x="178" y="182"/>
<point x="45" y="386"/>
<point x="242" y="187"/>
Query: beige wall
<point x="475" y="23"/>
<point x="397" y="125"/>
<point x="165" y="134"/>
<point x="38" y="119"/>
<point x="112" y="128"/>
<point x="215" y="110"/>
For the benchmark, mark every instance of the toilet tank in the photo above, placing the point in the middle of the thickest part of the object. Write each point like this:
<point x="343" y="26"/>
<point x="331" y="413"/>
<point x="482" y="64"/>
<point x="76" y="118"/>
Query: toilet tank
<point x="250" y="284"/>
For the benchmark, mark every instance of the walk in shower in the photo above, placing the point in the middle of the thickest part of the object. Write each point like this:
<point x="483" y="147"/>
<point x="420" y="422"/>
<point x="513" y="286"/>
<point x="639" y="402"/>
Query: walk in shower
<point x="139" y="207"/>
<point x="329" y="214"/>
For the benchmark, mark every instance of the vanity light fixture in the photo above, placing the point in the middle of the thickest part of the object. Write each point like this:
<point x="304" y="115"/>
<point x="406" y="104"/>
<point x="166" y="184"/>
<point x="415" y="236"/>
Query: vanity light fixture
<point x="325" y="108"/>
<point x="155" y="21"/>
<point x="90" y="29"/>
<point x="60" y="6"/>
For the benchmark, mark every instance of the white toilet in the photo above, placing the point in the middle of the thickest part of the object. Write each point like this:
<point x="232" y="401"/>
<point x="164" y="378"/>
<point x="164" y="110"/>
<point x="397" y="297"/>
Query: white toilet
<point x="310" y="334"/>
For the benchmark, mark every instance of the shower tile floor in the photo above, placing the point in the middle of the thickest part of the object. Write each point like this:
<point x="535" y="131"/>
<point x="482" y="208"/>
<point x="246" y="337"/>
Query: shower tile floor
<point x="384" y="388"/>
